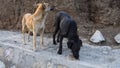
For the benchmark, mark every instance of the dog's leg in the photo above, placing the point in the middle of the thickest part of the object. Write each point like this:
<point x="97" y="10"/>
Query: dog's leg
<point x="28" y="36"/>
<point x="34" y="37"/>
<point x="60" y="45"/>
<point x="23" y="30"/>
<point x="41" y="36"/>
<point x="58" y="37"/>
<point x="54" y="34"/>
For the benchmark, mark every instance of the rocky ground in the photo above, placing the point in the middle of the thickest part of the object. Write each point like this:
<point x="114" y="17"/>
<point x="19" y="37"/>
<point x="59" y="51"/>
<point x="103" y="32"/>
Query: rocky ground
<point x="13" y="54"/>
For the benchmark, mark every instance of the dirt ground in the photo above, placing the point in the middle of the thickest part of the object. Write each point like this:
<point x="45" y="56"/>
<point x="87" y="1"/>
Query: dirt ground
<point x="90" y="15"/>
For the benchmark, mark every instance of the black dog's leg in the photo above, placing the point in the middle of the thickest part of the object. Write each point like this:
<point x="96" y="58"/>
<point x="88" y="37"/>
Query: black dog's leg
<point x="54" y="34"/>
<point x="58" y="37"/>
<point x="60" y="45"/>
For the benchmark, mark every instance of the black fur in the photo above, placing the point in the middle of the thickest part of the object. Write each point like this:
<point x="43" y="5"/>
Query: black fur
<point x="65" y="26"/>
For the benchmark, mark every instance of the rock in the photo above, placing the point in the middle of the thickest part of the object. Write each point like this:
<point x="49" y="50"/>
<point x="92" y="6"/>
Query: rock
<point x="9" y="54"/>
<point x="97" y="37"/>
<point x="117" y="38"/>
<point x="2" y="65"/>
<point x="37" y="65"/>
<point x="50" y="65"/>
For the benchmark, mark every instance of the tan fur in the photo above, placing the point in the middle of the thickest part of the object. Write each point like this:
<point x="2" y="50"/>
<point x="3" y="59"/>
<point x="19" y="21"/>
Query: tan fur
<point x="34" y="22"/>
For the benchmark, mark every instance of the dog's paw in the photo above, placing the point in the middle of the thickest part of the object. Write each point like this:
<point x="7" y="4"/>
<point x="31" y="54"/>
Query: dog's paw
<point x="58" y="40"/>
<point x="34" y="49"/>
<point x="59" y="52"/>
<point x="42" y="47"/>
<point x="54" y="43"/>
<point x="24" y="44"/>
<point x="28" y="40"/>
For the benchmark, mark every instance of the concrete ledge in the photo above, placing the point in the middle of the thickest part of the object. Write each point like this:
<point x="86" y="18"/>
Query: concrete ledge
<point x="25" y="58"/>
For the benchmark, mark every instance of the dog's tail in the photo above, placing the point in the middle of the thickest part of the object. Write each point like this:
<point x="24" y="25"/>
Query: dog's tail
<point x="23" y="24"/>
<point x="23" y="28"/>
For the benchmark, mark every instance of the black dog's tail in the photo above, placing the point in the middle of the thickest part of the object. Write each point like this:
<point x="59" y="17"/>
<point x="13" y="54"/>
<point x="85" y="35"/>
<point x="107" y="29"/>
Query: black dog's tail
<point x="81" y="42"/>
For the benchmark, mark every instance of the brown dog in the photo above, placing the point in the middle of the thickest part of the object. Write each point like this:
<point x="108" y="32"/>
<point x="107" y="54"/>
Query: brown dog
<point x="35" y="22"/>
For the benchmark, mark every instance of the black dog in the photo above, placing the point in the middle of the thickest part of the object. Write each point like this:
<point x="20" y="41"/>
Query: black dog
<point x="65" y="26"/>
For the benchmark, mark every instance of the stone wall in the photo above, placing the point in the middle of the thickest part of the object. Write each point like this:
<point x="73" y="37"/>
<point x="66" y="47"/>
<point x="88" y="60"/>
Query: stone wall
<point x="17" y="57"/>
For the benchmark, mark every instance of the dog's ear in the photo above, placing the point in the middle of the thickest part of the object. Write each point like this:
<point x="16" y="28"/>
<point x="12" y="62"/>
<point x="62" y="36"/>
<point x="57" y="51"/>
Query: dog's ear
<point x="43" y="5"/>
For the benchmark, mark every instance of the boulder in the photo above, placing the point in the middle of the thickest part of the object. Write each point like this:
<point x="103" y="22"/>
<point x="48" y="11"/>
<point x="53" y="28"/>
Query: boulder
<point x="97" y="37"/>
<point x="9" y="54"/>
<point x="117" y="38"/>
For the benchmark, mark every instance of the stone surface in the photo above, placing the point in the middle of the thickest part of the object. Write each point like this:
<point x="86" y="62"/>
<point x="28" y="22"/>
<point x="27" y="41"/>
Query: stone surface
<point x="2" y="65"/>
<point x="13" y="66"/>
<point x="23" y="56"/>
<point x="50" y="65"/>
<point x="117" y="38"/>
<point x="61" y="66"/>
<point x="9" y="54"/>
<point x="1" y="51"/>
<point x="97" y="37"/>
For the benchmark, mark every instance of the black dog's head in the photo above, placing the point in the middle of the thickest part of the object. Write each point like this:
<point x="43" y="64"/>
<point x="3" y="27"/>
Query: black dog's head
<point x="75" y="47"/>
<point x="47" y="7"/>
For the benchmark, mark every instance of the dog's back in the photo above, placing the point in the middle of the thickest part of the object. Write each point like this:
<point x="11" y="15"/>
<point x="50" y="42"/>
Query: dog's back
<point x="59" y="16"/>
<point x="68" y="27"/>
<point x="62" y="14"/>
<point x="66" y="24"/>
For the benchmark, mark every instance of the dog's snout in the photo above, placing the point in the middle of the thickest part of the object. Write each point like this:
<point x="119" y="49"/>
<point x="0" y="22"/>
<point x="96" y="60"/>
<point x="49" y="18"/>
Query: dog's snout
<point x="52" y="8"/>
